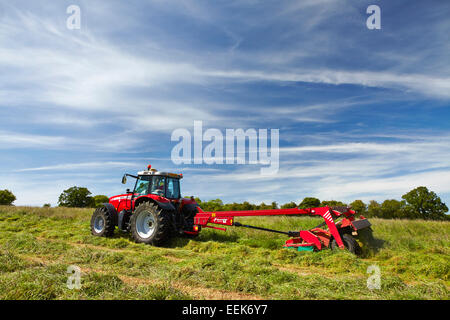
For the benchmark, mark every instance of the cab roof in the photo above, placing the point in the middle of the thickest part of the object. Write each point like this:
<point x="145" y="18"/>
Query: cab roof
<point x="154" y="172"/>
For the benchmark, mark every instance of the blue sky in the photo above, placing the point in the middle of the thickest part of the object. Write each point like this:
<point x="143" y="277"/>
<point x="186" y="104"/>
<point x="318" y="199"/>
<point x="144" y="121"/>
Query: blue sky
<point x="363" y="114"/>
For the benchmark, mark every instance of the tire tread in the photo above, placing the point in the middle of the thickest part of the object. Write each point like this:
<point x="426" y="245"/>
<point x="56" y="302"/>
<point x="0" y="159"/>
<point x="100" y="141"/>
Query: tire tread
<point x="109" y="222"/>
<point x="162" y="233"/>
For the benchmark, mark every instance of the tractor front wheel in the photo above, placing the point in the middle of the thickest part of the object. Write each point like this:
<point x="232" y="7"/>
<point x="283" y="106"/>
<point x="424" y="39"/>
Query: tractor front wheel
<point x="102" y="223"/>
<point x="149" y="224"/>
<point x="349" y="242"/>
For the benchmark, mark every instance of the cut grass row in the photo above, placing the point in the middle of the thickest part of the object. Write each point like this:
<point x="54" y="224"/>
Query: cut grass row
<point x="38" y="244"/>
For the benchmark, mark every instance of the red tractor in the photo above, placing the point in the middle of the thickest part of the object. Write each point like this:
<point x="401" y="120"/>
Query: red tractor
<point x="155" y="211"/>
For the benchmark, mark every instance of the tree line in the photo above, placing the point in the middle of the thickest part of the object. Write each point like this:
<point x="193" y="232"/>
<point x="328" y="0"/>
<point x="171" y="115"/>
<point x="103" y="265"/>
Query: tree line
<point x="75" y="197"/>
<point x="419" y="203"/>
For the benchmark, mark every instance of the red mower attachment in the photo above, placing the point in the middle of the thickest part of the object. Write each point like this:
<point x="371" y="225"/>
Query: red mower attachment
<point x="329" y="234"/>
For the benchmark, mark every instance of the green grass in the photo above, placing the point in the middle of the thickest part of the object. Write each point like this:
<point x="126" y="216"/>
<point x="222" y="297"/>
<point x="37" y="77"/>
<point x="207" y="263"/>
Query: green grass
<point x="37" y="245"/>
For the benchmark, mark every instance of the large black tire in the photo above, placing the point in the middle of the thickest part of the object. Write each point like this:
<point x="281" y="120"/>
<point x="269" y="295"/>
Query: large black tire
<point x="349" y="242"/>
<point x="102" y="223"/>
<point x="149" y="224"/>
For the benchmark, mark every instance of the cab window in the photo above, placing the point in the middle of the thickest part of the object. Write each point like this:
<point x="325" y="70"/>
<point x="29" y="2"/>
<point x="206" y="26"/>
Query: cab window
<point x="173" y="188"/>
<point x="142" y="186"/>
<point x="158" y="186"/>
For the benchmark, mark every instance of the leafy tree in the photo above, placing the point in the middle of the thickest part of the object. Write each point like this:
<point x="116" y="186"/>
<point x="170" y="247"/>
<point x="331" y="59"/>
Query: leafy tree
<point x="46" y="205"/>
<point x="289" y="205"/>
<point x="7" y="197"/>
<point x="246" y="206"/>
<point x="98" y="200"/>
<point x="391" y="209"/>
<point x="309" y="202"/>
<point x="374" y="209"/>
<point x="211" y="205"/>
<point x="75" y="197"/>
<point x="332" y="203"/>
<point x="359" y="206"/>
<point x="264" y="206"/>
<point x="426" y="204"/>
<point x="230" y="207"/>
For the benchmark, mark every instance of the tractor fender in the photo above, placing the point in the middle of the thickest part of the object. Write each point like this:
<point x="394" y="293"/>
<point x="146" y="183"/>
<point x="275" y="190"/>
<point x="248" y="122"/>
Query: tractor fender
<point x="112" y="211"/>
<point x="123" y="217"/>
<point x="189" y="207"/>
<point x="167" y="206"/>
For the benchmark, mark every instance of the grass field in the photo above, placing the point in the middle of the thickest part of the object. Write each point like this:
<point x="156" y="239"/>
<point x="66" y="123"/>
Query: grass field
<point x="38" y="244"/>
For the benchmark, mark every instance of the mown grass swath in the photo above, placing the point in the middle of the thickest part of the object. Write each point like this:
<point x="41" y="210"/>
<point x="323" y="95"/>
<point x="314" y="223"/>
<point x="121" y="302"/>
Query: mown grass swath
<point x="38" y="244"/>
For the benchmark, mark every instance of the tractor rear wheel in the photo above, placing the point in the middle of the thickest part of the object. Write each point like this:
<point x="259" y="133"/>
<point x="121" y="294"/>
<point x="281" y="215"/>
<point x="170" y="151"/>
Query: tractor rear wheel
<point x="189" y="223"/>
<point x="349" y="242"/>
<point x="102" y="223"/>
<point x="149" y="224"/>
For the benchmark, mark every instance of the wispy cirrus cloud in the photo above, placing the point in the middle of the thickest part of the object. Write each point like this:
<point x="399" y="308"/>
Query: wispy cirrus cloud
<point x="85" y="165"/>
<point x="117" y="142"/>
<point x="109" y="95"/>
<point x="21" y="140"/>
<point x="347" y="171"/>
<point x="425" y="84"/>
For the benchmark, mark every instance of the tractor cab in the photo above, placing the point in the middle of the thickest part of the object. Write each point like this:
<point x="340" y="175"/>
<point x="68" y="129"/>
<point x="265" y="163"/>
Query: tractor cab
<point x="152" y="182"/>
<point x="162" y="184"/>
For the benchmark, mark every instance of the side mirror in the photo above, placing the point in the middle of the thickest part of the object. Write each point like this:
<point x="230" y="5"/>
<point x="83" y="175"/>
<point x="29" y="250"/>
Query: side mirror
<point x="128" y="191"/>
<point x="124" y="179"/>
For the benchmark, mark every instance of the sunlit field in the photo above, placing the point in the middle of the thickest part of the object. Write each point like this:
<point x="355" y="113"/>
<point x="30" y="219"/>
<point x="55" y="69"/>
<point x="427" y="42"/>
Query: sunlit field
<point x="37" y="245"/>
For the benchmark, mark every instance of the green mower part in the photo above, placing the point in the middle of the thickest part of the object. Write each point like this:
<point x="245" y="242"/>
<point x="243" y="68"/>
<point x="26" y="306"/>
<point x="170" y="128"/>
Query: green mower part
<point x="306" y="248"/>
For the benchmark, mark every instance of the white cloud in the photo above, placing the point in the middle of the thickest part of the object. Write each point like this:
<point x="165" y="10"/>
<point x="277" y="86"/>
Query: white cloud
<point x="21" y="140"/>
<point x="357" y="171"/>
<point x="77" y="166"/>
<point x="424" y="84"/>
<point x="117" y="142"/>
<point x="386" y="188"/>
<point x="141" y="89"/>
